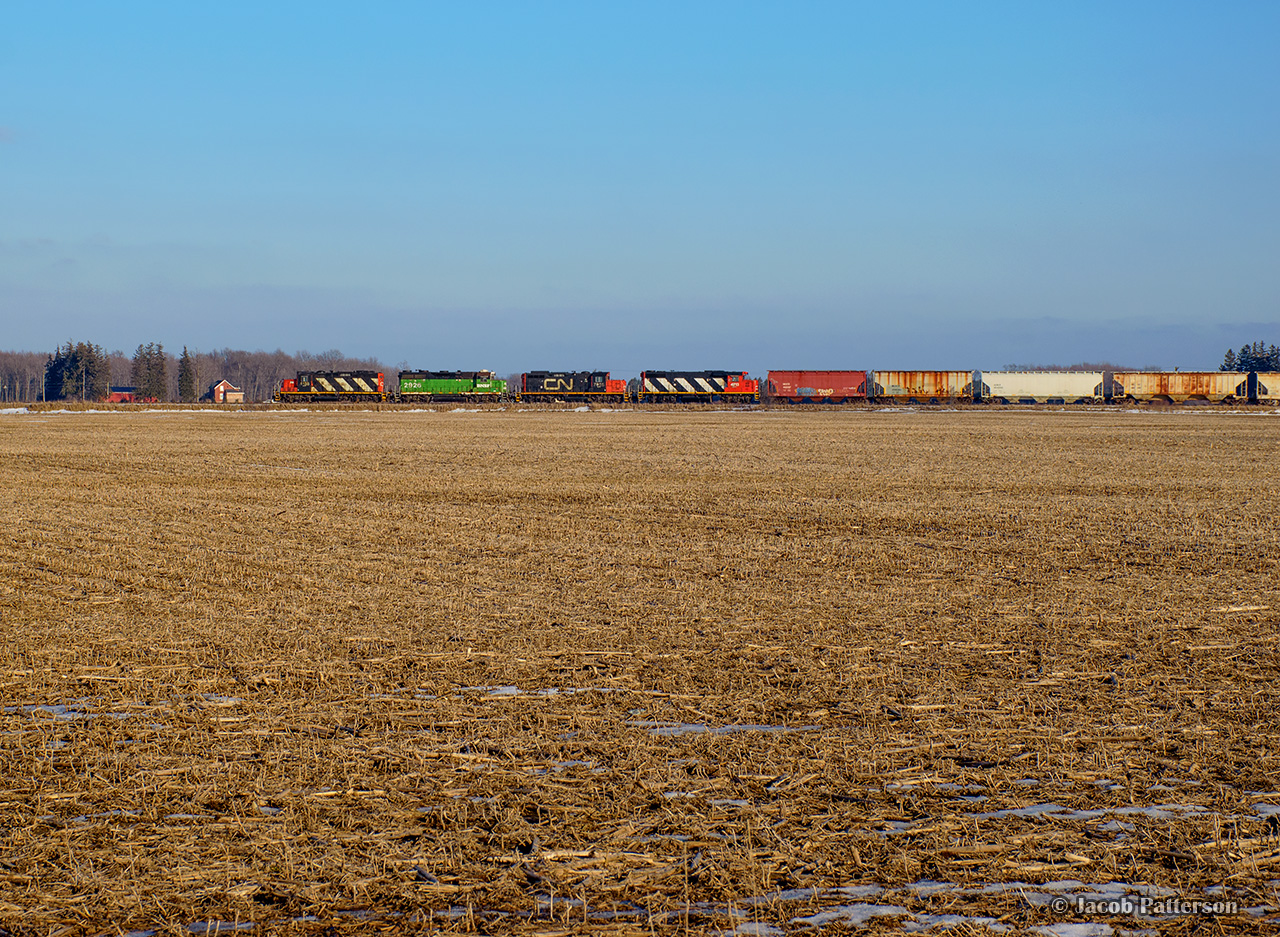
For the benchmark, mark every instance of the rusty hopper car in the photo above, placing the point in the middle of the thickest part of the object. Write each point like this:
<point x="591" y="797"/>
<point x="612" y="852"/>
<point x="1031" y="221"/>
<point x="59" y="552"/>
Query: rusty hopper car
<point x="570" y="387"/>
<point x="697" y="387"/>
<point x="333" y="387"/>
<point x="1181" y="386"/>
<point x="922" y="386"/>
<point x="1043" y="386"/>
<point x="1266" y="387"/>
<point x="816" y="386"/>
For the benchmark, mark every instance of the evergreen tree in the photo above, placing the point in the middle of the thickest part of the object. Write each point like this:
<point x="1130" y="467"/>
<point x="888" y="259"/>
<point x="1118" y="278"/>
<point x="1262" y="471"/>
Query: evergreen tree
<point x="186" y="377"/>
<point x="55" y="374"/>
<point x="98" y="371"/>
<point x="138" y="370"/>
<point x="148" y="372"/>
<point x="78" y="372"/>
<point x="1229" y="361"/>
<point x="1255" y="357"/>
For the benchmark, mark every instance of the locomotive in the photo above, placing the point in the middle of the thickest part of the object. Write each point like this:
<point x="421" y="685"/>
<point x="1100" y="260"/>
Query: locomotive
<point x="697" y="387"/>
<point x="450" y="386"/>
<point x="333" y="387"/>
<point x="570" y="387"/>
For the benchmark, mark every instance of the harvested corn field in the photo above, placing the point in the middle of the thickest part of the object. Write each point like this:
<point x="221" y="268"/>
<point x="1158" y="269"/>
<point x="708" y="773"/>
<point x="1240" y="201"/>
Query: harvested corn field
<point x="536" y="673"/>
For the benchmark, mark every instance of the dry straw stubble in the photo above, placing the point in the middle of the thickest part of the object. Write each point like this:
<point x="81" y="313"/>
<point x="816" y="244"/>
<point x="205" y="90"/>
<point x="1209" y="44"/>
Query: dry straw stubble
<point x="618" y="671"/>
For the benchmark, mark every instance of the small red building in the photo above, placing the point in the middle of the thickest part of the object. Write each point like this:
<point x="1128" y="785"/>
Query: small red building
<point x="122" y="395"/>
<point x="226" y="392"/>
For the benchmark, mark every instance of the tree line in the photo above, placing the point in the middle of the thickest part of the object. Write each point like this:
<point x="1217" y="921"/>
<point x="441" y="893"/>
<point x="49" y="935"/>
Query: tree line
<point x="86" y="371"/>
<point x="1255" y="357"/>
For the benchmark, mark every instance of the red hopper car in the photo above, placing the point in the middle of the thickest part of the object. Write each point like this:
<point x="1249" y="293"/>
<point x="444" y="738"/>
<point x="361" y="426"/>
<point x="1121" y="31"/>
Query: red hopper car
<point x="817" y="386"/>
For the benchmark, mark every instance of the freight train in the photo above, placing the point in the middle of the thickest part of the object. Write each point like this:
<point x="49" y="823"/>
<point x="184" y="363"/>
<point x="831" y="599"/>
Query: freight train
<point x="795" y="387"/>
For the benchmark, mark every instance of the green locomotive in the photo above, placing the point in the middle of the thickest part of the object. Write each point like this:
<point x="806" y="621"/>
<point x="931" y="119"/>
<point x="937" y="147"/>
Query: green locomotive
<point x="451" y="386"/>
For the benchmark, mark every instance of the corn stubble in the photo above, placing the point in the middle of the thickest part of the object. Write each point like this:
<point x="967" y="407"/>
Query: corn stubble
<point x="458" y="671"/>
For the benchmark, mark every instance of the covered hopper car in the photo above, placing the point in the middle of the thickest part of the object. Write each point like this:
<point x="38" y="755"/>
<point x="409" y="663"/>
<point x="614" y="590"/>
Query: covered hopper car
<point x="1044" y="386"/>
<point x="816" y="386"/>
<point x="1181" y="386"/>
<point x="697" y="387"/>
<point x="924" y="386"/>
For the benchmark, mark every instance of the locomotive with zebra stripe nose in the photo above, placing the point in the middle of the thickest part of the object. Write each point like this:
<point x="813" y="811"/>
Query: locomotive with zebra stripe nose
<point x="697" y="387"/>
<point x="333" y="387"/>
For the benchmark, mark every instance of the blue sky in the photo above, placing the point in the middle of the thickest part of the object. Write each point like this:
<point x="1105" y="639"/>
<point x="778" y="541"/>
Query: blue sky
<point x="631" y="185"/>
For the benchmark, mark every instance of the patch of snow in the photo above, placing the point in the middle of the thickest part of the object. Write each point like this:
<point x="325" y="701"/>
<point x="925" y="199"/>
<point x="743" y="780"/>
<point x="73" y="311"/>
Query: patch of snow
<point x="57" y="710"/>
<point x="1058" y="812"/>
<point x="86" y="817"/>
<point x="698" y="728"/>
<point x="749" y="929"/>
<point x="858" y="891"/>
<point x="926" y="921"/>
<point x="1073" y="929"/>
<point x="786" y="894"/>
<point x="1116" y="826"/>
<point x="852" y="914"/>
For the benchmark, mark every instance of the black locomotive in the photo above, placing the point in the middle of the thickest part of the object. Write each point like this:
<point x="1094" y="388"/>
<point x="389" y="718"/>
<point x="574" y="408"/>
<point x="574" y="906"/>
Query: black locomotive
<point x="571" y="387"/>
